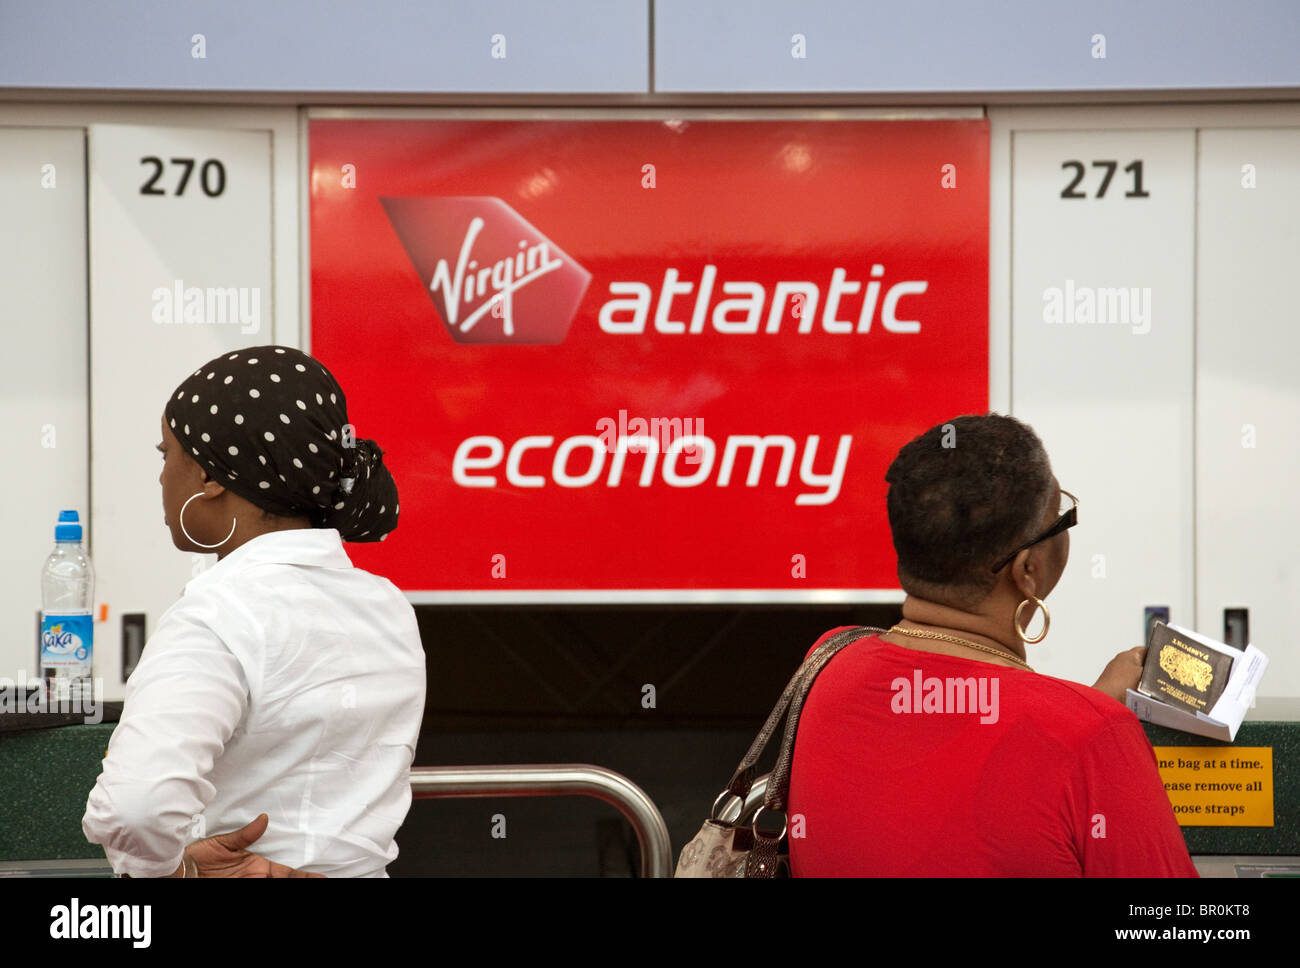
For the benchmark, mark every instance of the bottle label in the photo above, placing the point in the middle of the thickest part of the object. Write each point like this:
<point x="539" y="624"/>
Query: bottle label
<point x="67" y="644"/>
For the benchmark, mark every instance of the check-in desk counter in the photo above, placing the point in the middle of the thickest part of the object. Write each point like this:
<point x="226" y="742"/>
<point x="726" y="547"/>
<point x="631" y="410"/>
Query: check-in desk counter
<point x="1239" y="803"/>
<point x="46" y="774"/>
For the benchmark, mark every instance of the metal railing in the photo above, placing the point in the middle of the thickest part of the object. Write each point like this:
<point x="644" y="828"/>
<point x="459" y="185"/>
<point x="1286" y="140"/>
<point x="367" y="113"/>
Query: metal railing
<point x="557" y="780"/>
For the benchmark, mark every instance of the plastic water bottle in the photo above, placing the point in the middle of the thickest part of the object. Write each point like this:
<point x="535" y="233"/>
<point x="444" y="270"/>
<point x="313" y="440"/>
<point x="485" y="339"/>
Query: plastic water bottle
<point x="67" y="626"/>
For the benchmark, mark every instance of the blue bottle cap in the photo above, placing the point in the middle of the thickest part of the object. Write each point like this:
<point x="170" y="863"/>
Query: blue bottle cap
<point x="68" y="528"/>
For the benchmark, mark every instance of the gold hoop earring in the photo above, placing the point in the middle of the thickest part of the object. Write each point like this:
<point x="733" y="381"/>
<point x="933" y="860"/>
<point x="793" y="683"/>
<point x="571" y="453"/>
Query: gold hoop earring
<point x="1047" y="620"/>
<point x="187" y="534"/>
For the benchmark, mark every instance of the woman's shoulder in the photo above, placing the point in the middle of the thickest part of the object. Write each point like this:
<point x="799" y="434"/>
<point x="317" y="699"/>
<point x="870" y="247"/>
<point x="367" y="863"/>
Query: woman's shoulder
<point x="1074" y="714"/>
<point x="828" y="635"/>
<point x="270" y="596"/>
<point x="1089" y="710"/>
<point x="324" y="593"/>
<point x="269" y="578"/>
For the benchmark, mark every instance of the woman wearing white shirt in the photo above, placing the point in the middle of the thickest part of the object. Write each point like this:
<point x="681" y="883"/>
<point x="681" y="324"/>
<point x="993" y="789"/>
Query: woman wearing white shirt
<point x="284" y="681"/>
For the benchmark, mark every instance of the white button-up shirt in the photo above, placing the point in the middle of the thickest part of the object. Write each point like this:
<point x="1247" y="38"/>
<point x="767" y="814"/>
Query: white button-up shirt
<point x="284" y="681"/>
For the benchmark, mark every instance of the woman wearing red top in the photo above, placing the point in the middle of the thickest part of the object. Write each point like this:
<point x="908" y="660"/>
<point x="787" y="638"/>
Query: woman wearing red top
<point x="933" y="749"/>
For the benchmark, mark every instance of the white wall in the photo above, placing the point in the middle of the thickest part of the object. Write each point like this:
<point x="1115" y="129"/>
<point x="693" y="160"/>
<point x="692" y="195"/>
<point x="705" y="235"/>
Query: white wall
<point x="1146" y="429"/>
<point x="1248" y="389"/>
<point x="1112" y="402"/>
<point x="251" y="238"/>
<point x="147" y="245"/>
<point x="43" y="375"/>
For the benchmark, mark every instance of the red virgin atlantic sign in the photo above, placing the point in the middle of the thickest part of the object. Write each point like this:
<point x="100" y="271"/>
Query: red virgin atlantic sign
<point x="640" y="356"/>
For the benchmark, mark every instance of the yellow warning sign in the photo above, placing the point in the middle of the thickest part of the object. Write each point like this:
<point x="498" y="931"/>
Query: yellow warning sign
<point x="1218" y="786"/>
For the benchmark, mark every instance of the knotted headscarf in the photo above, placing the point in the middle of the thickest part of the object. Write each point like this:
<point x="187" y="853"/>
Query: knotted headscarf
<point x="271" y="424"/>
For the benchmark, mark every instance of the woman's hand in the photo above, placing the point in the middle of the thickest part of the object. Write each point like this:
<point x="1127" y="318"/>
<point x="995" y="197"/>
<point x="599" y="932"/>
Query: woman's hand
<point x="1122" y="673"/>
<point x="224" y="855"/>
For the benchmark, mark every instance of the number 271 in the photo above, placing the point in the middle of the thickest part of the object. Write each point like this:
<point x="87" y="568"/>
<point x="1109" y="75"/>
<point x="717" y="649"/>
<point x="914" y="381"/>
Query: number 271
<point x="1133" y="167"/>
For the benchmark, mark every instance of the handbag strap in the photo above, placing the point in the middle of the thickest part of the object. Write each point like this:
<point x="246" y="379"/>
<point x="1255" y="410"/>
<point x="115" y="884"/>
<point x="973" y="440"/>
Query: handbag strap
<point x="795" y="691"/>
<point x="778" y="784"/>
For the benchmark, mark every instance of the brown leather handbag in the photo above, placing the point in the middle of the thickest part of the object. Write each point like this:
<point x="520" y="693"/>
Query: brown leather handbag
<point x="726" y="848"/>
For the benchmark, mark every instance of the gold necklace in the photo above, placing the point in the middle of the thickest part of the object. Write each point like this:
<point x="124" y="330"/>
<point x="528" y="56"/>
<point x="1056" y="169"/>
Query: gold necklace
<point x="972" y="645"/>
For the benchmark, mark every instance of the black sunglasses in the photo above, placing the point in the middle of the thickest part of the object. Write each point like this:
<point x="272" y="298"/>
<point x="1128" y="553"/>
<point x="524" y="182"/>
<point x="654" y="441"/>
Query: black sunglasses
<point x="1067" y="520"/>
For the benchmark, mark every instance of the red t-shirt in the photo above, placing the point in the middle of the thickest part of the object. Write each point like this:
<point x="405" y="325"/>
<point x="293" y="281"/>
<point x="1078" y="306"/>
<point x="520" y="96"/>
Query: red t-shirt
<point x="1009" y="773"/>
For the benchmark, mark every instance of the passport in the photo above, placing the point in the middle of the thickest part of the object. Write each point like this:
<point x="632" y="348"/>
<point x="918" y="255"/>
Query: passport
<point x="1184" y="669"/>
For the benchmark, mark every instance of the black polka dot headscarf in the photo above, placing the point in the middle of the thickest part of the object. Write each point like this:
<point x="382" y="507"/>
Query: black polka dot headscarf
<point x="271" y="424"/>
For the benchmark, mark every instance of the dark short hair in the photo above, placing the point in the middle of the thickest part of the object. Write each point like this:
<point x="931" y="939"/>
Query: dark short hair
<point x="961" y="496"/>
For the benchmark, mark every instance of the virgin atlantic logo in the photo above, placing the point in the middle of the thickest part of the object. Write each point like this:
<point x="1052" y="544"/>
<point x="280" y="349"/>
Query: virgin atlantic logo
<point x="492" y="276"/>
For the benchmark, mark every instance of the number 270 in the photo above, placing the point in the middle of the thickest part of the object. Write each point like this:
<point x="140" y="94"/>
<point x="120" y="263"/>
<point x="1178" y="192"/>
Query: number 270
<point x="212" y="176"/>
<point x="1134" y="168"/>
